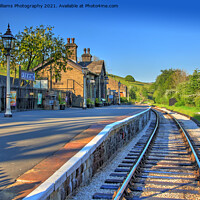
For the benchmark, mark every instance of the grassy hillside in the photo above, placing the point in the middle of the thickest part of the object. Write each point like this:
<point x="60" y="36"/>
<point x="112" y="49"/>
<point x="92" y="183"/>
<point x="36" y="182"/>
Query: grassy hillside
<point x="137" y="86"/>
<point x="128" y="83"/>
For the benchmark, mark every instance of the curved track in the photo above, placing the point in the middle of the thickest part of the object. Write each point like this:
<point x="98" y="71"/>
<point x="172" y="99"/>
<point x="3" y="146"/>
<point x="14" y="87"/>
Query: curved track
<point x="163" y="165"/>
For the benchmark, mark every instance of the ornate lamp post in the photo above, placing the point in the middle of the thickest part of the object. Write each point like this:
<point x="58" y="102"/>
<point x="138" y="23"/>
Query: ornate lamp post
<point x="119" y="84"/>
<point x="128" y="93"/>
<point x="84" y="71"/>
<point x="92" y="82"/>
<point x="106" y="83"/>
<point x="8" y="43"/>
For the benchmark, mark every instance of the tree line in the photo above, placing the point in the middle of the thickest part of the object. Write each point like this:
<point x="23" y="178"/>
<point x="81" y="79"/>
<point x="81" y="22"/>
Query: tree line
<point x="171" y="83"/>
<point x="176" y="83"/>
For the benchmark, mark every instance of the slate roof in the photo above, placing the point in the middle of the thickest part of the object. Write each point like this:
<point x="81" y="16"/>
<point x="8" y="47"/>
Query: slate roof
<point x="94" y="66"/>
<point x="76" y="65"/>
<point x="42" y="65"/>
<point x="84" y="64"/>
<point x="46" y="63"/>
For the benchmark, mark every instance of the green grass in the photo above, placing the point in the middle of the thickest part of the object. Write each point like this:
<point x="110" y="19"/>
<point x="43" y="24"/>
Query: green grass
<point x="137" y="84"/>
<point x="191" y="111"/>
<point x="128" y="83"/>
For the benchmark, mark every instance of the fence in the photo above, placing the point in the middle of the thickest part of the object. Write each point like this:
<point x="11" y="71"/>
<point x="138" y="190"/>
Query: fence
<point x="26" y="98"/>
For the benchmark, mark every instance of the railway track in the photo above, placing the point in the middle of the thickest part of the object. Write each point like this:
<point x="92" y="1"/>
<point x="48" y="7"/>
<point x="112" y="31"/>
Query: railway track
<point x="163" y="165"/>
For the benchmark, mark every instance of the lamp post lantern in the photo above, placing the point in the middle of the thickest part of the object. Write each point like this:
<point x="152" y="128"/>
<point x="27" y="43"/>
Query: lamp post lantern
<point x="84" y="71"/>
<point x="8" y="43"/>
<point x="119" y="84"/>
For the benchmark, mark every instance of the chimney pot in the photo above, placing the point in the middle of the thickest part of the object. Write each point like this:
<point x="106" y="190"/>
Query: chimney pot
<point x="88" y="50"/>
<point x="68" y="40"/>
<point x="73" y="39"/>
<point x="84" y="50"/>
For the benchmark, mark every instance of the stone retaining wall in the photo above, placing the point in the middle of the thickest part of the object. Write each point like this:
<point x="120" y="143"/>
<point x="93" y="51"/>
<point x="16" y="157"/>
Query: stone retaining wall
<point x="80" y="169"/>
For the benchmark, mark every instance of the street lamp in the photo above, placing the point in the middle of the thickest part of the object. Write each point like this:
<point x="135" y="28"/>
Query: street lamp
<point x="119" y="84"/>
<point x="92" y="83"/>
<point x="84" y="71"/>
<point x="8" y="43"/>
<point x="106" y="83"/>
<point x="128" y="93"/>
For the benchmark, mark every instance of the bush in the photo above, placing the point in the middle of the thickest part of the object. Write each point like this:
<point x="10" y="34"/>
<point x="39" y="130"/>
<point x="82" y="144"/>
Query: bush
<point x="162" y="100"/>
<point x="129" y="78"/>
<point x="197" y="101"/>
<point x="123" y="100"/>
<point x="88" y="101"/>
<point x="180" y="103"/>
<point x="132" y="101"/>
<point x="62" y="103"/>
<point x="61" y="100"/>
<point x="96" y="100"/>
<point x="132" y="93"/>
<point x="189" y="100"/>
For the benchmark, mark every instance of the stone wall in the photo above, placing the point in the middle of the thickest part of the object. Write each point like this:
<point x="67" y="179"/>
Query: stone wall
<point x="81" y="168"/>
<point x="113" y="85"/>
<point x="71" y="80"/>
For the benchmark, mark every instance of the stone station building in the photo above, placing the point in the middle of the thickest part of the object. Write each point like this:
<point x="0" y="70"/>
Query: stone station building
<point x="72" y="81"/>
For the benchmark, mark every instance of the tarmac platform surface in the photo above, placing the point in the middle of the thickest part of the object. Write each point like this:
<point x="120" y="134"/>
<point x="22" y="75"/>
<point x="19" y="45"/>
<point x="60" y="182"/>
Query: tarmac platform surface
<point x="34" y="144"/>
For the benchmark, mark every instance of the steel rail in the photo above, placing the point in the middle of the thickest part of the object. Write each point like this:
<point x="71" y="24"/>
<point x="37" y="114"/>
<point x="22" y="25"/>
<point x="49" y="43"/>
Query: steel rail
<point x="188" y="140"/>
<point x="128" y="178"/>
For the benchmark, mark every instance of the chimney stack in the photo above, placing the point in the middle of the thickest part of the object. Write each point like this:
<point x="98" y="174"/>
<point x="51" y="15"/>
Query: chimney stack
<point x="72" y="47"/>
<point x="86" y="57"/>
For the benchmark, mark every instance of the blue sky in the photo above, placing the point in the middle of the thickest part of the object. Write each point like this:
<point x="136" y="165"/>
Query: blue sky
<point x="140" y="37"/>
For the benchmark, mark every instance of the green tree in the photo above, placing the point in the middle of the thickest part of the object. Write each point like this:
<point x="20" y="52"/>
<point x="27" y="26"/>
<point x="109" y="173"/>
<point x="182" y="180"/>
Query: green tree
<point x="144" y="92"/>
<point x="31" y="43"/>
<point x="178" y="77"/>
<point x="57" y="56"/>
<point x="167" y="81"/>
<point x="195" y="82"/>
<point x="132" y="93"/>
<point x="176" y="83"/>
<point x="2" y="55"/>
<point x="129" y="78"/>
<point x="3" y="60"/>
<point x="39" y="46"/>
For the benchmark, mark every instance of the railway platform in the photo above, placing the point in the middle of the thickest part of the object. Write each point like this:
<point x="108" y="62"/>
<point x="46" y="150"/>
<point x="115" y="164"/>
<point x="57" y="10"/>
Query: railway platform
<point x="35" y="122"/>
